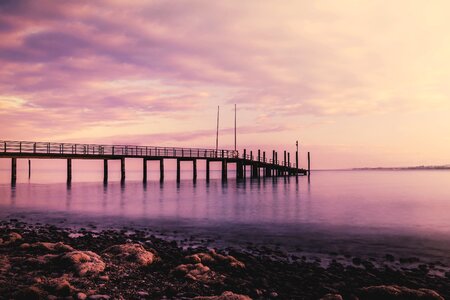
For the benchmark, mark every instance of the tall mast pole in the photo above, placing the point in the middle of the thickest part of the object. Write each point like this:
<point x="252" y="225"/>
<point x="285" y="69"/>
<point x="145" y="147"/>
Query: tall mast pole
<point x="235" y="127"/>
<point x="217" y="131"/>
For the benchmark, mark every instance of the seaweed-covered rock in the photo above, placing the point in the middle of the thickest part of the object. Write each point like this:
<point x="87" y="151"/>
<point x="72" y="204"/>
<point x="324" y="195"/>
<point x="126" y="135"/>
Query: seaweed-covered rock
<point x="134" y="253"/>
<point x="197" y="272"/>
<point x="84" y="263"/>
<point x="393" y="292"/>
<point x="213" y="257"/>
<point x="11" y="238"/>
<point x="48" y="247"/>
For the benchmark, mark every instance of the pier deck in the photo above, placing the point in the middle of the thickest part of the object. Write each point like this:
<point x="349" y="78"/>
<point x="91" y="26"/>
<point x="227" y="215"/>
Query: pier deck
<point x="69" y="151"/>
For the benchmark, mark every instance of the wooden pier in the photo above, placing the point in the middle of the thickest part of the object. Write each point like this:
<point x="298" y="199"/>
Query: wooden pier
<point x="69" y="151"/>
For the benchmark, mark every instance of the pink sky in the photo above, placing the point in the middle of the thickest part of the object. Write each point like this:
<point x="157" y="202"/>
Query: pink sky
<point x="358" y="83"/>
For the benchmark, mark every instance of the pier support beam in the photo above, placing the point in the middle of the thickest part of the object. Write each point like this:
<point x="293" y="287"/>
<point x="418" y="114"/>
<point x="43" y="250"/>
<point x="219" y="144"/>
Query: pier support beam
<point x="296" y="164"/>
<point x="207" y="170"/>
<point x="161" y="170"/>
<point x="122" y="170"/>
<point x="69" y="170"/>
<point x="105" y="171"/>
<point x="224" y="170"/>
<point x="13" y="170"/>
<point x="194" y="170"/>
<point x="144" y="170"/>
<point x="255" y="171"/>
<point x="178" y="170"/>
<point x="29" y="168"/>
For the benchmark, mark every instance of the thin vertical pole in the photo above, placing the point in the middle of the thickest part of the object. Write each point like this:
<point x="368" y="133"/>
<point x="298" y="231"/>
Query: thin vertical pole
<point x="309" y="163"/>
<point x="296" y="163"/>
<point x="178" y="170"/>
<point x="207" y="170"/>
<point x="217" y="131"/>
<point x="224" y="170"/>
<point x="235" y="139"/>
<point x="29" y="169"/>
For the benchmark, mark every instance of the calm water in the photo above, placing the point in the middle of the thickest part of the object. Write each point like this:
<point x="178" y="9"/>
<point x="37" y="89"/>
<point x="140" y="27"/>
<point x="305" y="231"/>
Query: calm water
<point x="375" y="212"/>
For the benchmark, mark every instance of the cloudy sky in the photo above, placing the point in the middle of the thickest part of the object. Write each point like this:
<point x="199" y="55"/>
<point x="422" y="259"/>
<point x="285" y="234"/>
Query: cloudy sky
<point x="358" y="83"/>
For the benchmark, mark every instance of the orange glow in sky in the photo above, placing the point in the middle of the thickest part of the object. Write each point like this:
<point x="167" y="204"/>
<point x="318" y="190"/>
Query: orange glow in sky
<point x="358" y="83"/>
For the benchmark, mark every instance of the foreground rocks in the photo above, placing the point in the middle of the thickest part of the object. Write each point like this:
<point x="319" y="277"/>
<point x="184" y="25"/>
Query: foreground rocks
<point x="46" y="262"/>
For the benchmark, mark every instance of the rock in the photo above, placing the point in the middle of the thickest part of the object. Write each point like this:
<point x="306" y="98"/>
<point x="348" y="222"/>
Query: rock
<point x="225" y="296"/>
<point x="104" y="277"/>
<point x="84" y="262"/>
<point x="142" y="293"/>
<point x="49" y="247"/>
<point x="4" y="264"/>
<point x="388" y="292"/>
<point x="273" y="294"/>
<point x="43" y="259"/>
<point x="81" y="296"/>
<point x="212" y="258"/>
<point x="197" y="272"/>
<point x="60" y="286"/>
<point x="31" y="293"/>
<point x="12" y="237"/>
<point x="134" y="253"/>
<point x="99" y="297"/>
<point x="332" y="297"/>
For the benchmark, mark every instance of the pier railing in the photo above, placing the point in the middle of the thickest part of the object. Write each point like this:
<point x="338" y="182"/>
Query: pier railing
<point x="50" y="148"/>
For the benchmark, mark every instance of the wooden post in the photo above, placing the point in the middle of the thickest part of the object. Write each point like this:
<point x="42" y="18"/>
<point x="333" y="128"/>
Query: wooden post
<point x="13" y="170"/>
<point x="122" y="170"/>
<point x="296" y="163"/>
<point x="69" y="170"/>
<point x="309" y="164"/>
<point x="284" y="162"/>
<point x="289" y="163"/>
<point x="207" y="170"/>
<point x="105" y="171"/>
<point x="224" y="170"/>
<point x="29" y="169"/>
<point x="161" y="170"/>
<point x="194" y="169"/>
<point x="178" y="170"/>
<point x="245" y="153"/>
<point x="144" y="170"/>
<point x="259" y="155"/>
<point x="264" y="156"/>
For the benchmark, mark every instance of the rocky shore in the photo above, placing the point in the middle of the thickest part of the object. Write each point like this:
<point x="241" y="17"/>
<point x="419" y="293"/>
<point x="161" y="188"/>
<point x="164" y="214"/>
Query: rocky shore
<point x="47" y="262"/>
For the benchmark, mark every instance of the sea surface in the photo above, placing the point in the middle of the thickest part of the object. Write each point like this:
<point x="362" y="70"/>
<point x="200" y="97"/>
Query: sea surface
<point x="358" y="213"/>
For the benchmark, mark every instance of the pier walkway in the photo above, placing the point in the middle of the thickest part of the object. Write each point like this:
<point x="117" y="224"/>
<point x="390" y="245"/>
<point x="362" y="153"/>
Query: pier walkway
<point x="258" y="161"/>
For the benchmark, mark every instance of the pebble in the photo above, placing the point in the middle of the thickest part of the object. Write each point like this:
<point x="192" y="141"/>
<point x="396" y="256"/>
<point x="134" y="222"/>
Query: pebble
<point x="81" y="296"/>
<point x="99" y="297"/>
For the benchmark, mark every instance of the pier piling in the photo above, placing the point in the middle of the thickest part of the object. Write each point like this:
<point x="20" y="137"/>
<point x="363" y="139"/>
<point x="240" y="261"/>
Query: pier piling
<point x="105" y="171"/>
<point x="69" y="170"/>
<point x="161" y="170"/>
<point x="29" y="169"/>
<point x="144" y="170"/>
<point x="207" y="170"/>
<point x="13" y="170"/>
<point x="194" y="170"/>
<point x="178" y="170"/>
<point x="122" y="170"/>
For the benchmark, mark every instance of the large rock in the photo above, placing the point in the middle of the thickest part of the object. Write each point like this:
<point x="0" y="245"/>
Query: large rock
<point x="197" y="272"/>
<point x="134" y="253"/>
<point x="214" y="258"/>
<point x="60" y="286"/>
<point x="225" y="296"/>
<point x="394" y="292"/>
<point x="84" y="263"/>
<point x="48" y="247"/>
